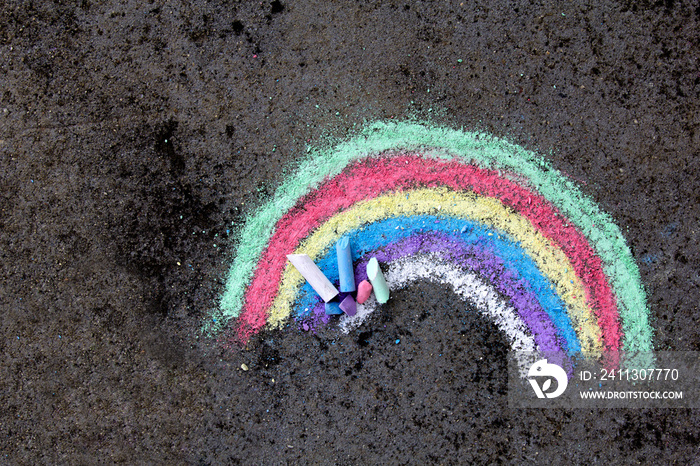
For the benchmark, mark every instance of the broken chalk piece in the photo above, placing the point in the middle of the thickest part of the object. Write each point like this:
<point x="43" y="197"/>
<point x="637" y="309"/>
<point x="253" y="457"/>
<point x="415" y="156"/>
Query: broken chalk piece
<point x="333" y="309"/>
<point x="348" y="306"/>
<point x="364" y="289"/>
<point x="345" y="270"/>
<point x="375" y="275"/>
<point x="313" y="275"/>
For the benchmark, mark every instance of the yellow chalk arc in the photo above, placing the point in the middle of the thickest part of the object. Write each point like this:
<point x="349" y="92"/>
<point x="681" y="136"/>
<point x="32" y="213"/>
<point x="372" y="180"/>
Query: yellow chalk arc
<point x="550" y="260"/>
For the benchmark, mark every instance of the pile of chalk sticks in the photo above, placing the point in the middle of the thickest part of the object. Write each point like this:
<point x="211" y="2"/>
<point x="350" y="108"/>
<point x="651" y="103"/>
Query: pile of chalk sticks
<point x="329" y="293"/>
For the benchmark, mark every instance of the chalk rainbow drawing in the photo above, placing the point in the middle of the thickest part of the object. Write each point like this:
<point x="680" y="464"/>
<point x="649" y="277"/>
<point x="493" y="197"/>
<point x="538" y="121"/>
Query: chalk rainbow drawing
<point x="496" y="222"/>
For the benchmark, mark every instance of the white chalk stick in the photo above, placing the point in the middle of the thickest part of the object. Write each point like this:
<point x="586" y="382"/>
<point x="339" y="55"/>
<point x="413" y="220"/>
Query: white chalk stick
<point x="310" y="271"/>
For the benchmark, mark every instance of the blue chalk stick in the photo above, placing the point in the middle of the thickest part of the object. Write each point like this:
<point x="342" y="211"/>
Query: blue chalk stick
<point x="345" y="269"/>
<point x="333" y="309"/>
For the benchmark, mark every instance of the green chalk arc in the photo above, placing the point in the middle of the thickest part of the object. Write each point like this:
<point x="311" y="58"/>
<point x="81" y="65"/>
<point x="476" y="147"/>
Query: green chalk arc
<point x="520" y="165"/>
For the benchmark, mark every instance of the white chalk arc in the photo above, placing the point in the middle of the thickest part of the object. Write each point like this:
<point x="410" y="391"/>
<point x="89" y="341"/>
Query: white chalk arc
<point x="467" y="285"/>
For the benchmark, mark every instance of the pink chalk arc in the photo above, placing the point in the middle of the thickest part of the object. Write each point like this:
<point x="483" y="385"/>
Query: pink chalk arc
<point x="369" y="178"/>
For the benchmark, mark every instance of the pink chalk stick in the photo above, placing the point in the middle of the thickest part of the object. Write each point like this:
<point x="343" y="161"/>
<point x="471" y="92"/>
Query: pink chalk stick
<point x="364" y="289"/>
<point x="348" y="306"/>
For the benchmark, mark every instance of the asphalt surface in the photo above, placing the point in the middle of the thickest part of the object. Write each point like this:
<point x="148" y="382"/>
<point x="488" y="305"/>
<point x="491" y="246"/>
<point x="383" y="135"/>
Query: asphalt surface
<point x="135" y="137"/>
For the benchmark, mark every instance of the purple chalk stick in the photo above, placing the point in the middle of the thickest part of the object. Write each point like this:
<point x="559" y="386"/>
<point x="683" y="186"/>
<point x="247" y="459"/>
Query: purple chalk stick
<point x="348" y="306"/>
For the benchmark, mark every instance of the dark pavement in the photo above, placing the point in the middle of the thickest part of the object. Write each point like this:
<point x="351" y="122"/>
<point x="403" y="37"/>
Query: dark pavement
<point x="135" y="136"/>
